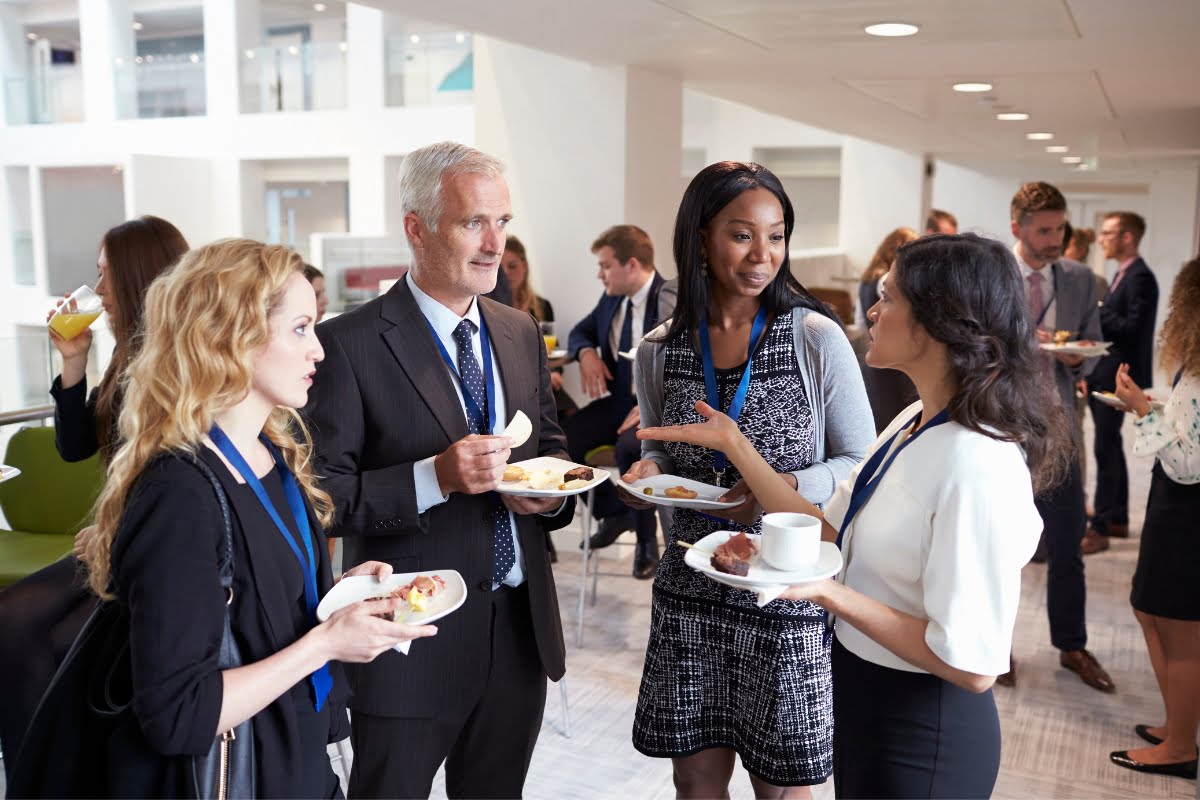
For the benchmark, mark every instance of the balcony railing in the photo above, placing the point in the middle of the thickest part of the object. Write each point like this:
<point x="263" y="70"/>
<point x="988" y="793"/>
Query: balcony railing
<point x="307" y="77"/>
<point x="166" y="85"/>
<point x="52" y="94"/>
<point x="435" y="69"/>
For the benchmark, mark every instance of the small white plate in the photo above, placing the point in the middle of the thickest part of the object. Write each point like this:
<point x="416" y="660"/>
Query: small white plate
<point x="556" y="354"/>
<point x="361" y="587"/>
<point x="706" y="494"/>
<point x="1110" y="399"/>
<point x="557" y="466"/>
<point x="699" y="558"/>
<point x="1077" y="349"/>
<point x="7" y="472"/>
<point x="630" y="354"/>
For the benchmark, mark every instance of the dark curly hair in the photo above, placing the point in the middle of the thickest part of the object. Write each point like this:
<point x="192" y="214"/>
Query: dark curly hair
<point x="967" y="293"/>
<point x="713" y="188"/>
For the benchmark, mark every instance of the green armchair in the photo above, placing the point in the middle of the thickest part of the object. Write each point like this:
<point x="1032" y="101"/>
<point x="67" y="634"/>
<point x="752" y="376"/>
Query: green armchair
<point x="45" y="506"/>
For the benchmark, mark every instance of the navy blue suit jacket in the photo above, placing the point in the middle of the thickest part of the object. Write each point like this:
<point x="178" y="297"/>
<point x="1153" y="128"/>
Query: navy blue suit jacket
<point x="1127" y="320"/>
<point x="592" y="330"/>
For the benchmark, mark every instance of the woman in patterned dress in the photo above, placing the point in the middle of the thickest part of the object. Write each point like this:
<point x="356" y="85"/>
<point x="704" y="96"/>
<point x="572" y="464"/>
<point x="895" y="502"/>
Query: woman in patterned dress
<point x="1166" y="594"/>
<point x="724" y="677"/>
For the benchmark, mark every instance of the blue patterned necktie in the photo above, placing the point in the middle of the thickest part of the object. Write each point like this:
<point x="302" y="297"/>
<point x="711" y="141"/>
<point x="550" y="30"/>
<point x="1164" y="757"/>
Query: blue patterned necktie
<point x="503" y="553"/>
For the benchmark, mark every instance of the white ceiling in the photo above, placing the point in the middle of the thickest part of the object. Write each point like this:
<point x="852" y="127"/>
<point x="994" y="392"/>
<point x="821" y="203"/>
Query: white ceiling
<point x="1118" y="81"/>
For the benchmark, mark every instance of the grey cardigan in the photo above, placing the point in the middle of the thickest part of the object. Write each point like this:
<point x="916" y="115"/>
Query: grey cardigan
<point x="842" y="419"/>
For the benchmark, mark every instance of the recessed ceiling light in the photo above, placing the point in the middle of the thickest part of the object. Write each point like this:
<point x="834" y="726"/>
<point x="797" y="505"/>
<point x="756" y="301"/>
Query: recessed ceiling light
<point x="1072" y="159"/>
<point x="194" y="58"/>
<point x="137" y="26"/>
<point x="1057" y="148"/>
<point x="415" y="39"/>
<point x="891" y="29"/>
<point x="972" y="87"/>
<point x="1039" y="137"/>
<point x="31" y="36"/>
<point x="1013" y="116"/>
<point x="1083" y="167"/>
<point x="319" y="6"/>
<point x="459" y="38"/>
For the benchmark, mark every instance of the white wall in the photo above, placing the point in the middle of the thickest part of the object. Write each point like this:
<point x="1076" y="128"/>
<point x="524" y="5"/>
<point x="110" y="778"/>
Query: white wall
<point x="1172" y="228"/>
<point x="79" y="204"/>
<point x="980" y="202"/>
<point x="153" y="186"/>
<point x="881" y="191"/>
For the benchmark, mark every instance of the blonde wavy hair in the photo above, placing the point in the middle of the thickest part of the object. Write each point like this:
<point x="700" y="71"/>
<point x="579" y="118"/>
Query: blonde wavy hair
<point x="1180" y="336"/>
<point x="204" y="321"/>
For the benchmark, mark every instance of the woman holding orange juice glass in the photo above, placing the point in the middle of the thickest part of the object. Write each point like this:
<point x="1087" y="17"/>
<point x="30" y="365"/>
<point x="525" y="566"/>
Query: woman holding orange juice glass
<point x="51" y="605"/>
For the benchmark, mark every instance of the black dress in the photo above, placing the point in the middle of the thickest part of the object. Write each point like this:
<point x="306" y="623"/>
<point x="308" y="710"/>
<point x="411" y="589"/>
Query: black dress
<point x="1164" y="583"/>
<point x="165" y="570"/>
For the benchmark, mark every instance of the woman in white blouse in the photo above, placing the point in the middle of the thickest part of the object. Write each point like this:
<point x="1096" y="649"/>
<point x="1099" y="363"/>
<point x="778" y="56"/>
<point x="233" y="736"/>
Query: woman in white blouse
<point x="926" y="603"/>
<point x="1166" y="589"/>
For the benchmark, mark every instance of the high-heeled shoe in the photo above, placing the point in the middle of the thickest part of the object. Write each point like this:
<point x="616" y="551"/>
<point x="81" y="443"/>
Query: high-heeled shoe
<point x="1179" y="769"/>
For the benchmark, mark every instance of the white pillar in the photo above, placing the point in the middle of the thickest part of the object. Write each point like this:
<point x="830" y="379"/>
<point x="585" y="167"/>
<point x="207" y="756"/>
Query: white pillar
<point x="368" y="188"/>
<point x="13" y="60"/>
<point x="653" y="158"/>
<point x="364" y="58"/>
<point x="107" y="50"/>
<point x="231" y="27"/>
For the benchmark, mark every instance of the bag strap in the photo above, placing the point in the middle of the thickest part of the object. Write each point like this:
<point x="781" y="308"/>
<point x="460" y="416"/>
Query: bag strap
<point x="225" y="565"/>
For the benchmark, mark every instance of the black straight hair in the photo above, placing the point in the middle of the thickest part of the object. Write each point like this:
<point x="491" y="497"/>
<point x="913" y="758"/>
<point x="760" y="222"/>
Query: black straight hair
<point x="715" y="187"/>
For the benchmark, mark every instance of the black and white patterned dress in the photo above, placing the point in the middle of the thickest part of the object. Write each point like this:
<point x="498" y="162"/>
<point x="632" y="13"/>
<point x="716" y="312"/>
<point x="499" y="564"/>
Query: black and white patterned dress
<point x="720" y="671"/>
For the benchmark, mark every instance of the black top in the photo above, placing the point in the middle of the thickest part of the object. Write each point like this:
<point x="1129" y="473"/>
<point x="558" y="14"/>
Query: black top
<point x="547" y="309"/>
<point x="164" y="560"/>
<point x="74" y="420"/>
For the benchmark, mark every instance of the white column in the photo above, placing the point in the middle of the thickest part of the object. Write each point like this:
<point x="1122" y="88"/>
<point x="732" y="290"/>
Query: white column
<point x="13" y="60"/>
<point x="364" y="58"/>
<point x="653" y="158"/>
<point x="231" y="27"/>
<point x="368" y="187"/>
<point x="107" y="51"/>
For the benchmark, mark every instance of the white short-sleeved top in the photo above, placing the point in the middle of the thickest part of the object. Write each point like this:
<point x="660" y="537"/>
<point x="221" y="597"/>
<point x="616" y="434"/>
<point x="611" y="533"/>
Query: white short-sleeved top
<point x="944" y="537"/>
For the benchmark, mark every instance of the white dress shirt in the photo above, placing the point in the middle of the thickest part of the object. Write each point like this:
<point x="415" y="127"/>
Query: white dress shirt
<point x="943" y="538"/>
<point x="429" y="491"/>
<point x="639" y="317"/>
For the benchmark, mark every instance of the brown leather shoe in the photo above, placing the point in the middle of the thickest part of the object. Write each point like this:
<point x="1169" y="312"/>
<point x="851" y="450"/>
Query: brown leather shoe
<point x="1118" y="530"/>
<point x="1009" y="678"/>
<point x="1094" y="542"/>
<point x="1085" y="665"/>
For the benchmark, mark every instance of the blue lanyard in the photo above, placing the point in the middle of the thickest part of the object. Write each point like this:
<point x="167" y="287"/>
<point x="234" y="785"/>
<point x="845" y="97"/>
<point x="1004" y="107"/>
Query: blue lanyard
<point x="321" y="680"/>
<point x="871" y="474"/>
<point x="710" y="376"/>
<point x="490" y="378"/>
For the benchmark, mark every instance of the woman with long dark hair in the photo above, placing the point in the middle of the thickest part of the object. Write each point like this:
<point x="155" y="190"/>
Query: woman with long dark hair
<point x="40" y="615"/>
<point x="934" y="526"/>
<point x="717" y="665"/>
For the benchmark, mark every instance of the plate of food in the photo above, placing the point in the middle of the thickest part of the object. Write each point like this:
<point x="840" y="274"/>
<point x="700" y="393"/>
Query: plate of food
<point x="428" y="595"/>
<point x="547" y="476"/>
<point x="1157" y="403"/>
<point x="1063" y="343"/>
<point x="734" y="559"/>
<point x="556" y="354"/>
<point x="672" y="490"/>
<point x="7" y="472"/>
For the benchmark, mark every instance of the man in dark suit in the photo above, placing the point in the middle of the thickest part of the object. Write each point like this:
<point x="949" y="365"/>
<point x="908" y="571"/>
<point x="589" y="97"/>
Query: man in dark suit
<point x="1062" y="296"/>
<point x="1127" y="320"/>
<point x="405" y="410"/>
<point x="628" y="309"/>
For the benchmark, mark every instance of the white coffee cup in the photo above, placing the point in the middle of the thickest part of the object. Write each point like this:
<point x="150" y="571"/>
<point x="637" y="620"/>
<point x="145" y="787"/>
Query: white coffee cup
<point x="790" y="541"/>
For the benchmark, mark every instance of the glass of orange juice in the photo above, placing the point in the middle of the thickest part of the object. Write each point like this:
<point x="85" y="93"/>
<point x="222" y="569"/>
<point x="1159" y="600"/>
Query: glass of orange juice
<point x="548" y="336"/>
<point x="76" y="314"/>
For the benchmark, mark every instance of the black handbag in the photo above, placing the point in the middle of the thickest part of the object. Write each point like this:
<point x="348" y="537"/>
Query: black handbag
<point x="84" y="740"/>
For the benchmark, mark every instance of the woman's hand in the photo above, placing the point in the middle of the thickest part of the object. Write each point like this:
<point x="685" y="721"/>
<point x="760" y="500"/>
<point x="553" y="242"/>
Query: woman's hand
<point x="381" y="570"/>
<point x="1130" y="393"/>
<point x="718" y="433"/>
<point x="816" y="591"/>
<point x="74" y="351"/>
<point x="361" y="631"/>
<point x="638" y="470"/>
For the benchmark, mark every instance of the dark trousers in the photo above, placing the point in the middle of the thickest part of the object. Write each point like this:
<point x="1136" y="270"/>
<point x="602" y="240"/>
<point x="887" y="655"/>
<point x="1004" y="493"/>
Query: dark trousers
<point x="485" y="736"/>
<point x="1111" y="501"/>
<point x="1065" y="520"/>
<point x="595" y="425"/>
<point x="909" y="734"/>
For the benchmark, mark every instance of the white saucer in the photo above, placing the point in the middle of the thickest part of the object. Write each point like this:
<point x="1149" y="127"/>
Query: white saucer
<point x="761" y="576"/>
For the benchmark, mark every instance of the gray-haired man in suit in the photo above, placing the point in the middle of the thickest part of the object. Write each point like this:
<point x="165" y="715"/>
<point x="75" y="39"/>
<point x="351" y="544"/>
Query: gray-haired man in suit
<point x="1061" y="296"/>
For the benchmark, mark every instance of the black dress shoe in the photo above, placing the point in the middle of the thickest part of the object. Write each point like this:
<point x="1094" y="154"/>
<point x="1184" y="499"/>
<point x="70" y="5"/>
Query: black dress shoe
<point x="610" y="529"/>
<point x="1144" y="732"/>
<point x="645" y="561"/>
<point x="1179" y="769"/>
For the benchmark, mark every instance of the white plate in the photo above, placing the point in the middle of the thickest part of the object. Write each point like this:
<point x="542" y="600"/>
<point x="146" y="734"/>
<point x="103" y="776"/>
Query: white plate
<point x="699" y="558"/>
<point x="556" y="354"/>
<point x="630" y="354"/>
<point x="1115" y="402"/>
<point x="1076" y="349"/>
<point x="360" y="587"/>
<point x="706" y="494"/>
<point x="557" y="466"/>
<point x="7" y="472"/>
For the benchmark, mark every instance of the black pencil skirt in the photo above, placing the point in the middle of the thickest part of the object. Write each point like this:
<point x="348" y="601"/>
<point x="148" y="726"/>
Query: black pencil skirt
<point x="909" y="734"/>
